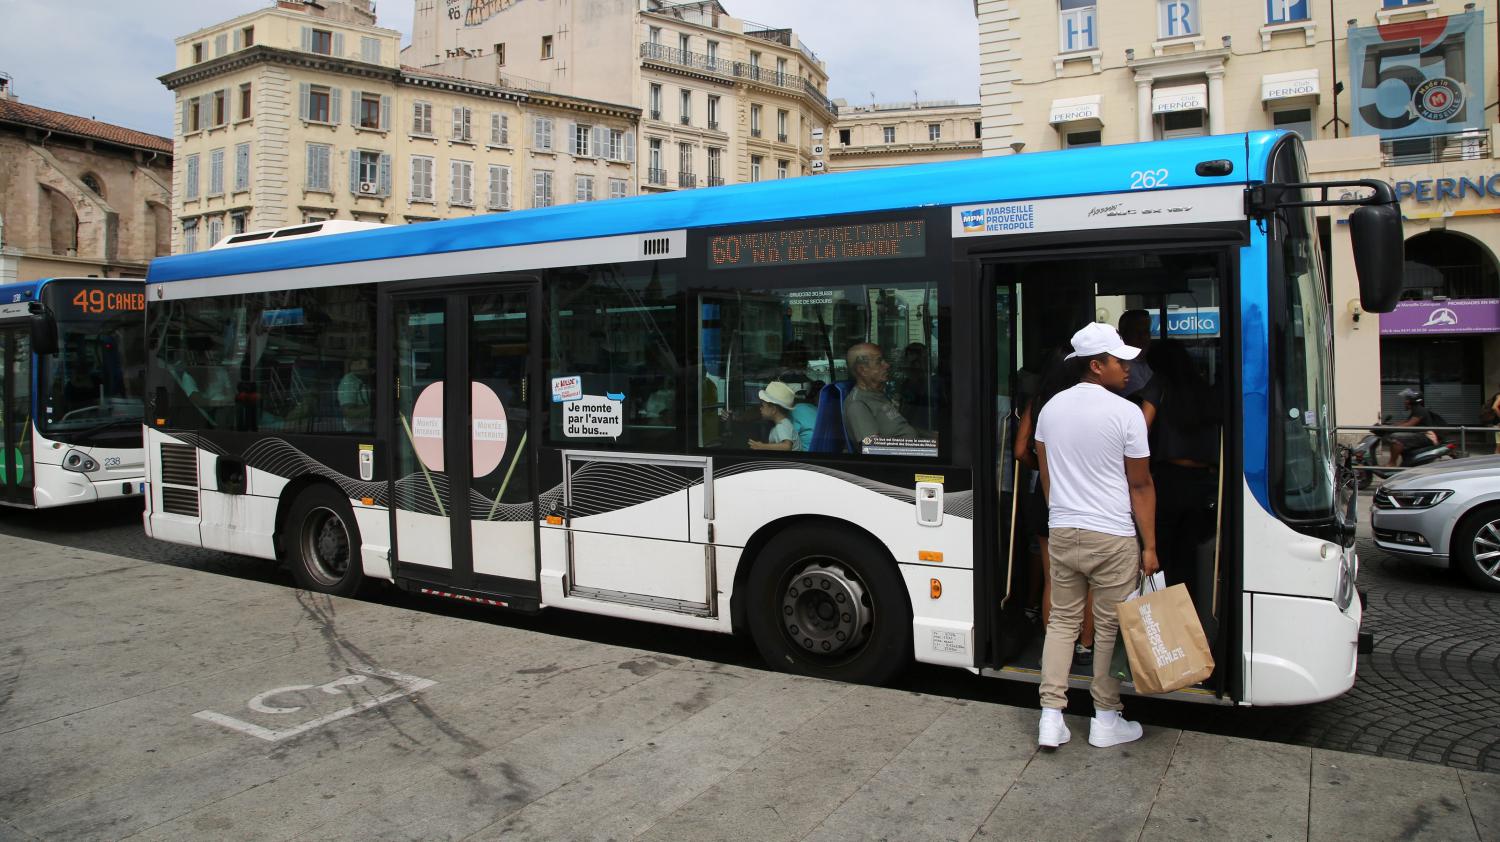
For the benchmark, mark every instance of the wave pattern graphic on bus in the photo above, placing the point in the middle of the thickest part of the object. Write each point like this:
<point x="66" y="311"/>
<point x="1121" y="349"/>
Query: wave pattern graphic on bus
<point x="959" y="504"/>
<point x="604" y="487"/>
<point x="280" y="458"/>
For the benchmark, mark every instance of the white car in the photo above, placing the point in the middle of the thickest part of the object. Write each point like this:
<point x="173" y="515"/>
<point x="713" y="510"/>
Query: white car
<point x="1448" y="512"/>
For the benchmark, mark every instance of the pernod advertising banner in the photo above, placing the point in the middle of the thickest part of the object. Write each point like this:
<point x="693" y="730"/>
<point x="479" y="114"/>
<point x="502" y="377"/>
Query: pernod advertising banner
<point x="1418" y="78"/>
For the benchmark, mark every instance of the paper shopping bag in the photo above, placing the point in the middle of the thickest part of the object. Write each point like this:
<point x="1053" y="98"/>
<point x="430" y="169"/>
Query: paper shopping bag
<point x="1165" y="641"/>
<point x="1119" y="662"/>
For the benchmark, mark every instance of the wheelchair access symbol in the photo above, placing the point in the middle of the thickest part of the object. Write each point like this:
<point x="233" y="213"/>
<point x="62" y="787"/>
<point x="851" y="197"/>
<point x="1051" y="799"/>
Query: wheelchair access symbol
<point x="294" y="698"/>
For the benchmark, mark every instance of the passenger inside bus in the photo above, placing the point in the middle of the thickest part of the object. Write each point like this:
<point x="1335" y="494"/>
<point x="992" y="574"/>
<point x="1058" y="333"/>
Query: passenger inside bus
<point x="868" y="411"/>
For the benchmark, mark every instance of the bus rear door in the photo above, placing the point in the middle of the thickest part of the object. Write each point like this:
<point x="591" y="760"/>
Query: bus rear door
<point x="15" y="413"/>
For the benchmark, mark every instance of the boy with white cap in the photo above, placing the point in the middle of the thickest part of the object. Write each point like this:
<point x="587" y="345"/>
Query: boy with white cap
<point x="1095" y="466"/>
<point x="776" y="402"/>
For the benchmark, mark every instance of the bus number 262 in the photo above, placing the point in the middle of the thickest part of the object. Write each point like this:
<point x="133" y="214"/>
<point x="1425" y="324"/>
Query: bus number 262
<point x="1148" y="179"/>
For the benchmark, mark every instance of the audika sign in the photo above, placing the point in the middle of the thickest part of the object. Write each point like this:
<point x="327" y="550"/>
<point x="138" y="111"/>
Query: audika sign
<point x="1423" y="318"/>
<point x="1418" y="78"/>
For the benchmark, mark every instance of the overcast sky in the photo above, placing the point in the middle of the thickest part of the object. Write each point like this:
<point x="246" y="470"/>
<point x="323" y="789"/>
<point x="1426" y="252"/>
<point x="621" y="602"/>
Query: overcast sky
<point x="100" y="58"/>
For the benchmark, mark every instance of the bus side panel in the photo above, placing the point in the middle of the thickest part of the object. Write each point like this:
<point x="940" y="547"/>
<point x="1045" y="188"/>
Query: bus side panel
<point x="176" y="526"/>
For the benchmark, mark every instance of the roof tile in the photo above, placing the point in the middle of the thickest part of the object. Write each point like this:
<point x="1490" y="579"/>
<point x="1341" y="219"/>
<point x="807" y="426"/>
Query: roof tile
<point x="42" y="118"/>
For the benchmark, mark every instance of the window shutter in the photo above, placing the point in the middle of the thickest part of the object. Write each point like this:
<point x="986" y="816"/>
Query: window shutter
<point x="356" y="98"/>
<point x="504" y="130"/>
<point x="228" y="105"/>
<point x="494" y="200"/>
<point x="354" y="172"/>
<point x="414" y="183"/>
<point x="187" y="119"/>
<point x="338" y="44"/>
<point x="630" y="147"/>
<point x="458" y="123"/>
<point x="429" y="178"/>
<point x="536" y="133"/>
<point x="306" y="90"/>
<point x="468" y="125"/>
<point x="306" y="39"/>
<point x="239" y="39"/>
<point x="385" y="112"/>
<point x="601" y="141"/>
<point x="335" y="97"/>
<point x="205" y="114"/>
<point x="312" y="169"/>
<point x="572" y="137"/>
<point x="454" y="181"/>
<point x="242" y="167"/>
<point x="505" y="187"/>
<point x="385" y="174"/>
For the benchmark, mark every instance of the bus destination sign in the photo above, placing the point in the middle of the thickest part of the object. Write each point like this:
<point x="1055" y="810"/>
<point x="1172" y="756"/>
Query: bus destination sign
<point x="92" y="301"/>
<point x="824" y="244"/>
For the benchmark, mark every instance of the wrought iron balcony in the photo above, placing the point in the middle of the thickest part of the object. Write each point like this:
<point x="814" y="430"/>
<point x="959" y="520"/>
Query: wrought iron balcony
<point x="713" y="125"/>
<point x="662" y="54"/>
<point x="781" y="137"/>
<point x="656" y="176"/>
<point x="715" y="181"/>
<point x="687" y="179"/>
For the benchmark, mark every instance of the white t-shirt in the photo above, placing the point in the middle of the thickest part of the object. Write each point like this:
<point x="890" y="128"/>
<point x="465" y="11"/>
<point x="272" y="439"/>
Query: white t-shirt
<point x="1089" y="431"/>
<point x="784" y="430"/>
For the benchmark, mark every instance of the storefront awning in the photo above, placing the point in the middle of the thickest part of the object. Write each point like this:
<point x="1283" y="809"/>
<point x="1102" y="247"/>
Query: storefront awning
<point x="1290" y="85"/>
<point x="1076" y="109"/>
<point x="1181" y="98"/>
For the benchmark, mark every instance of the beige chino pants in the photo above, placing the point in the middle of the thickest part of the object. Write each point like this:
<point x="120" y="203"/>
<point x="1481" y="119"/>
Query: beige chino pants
<point x="1081" y="560"/>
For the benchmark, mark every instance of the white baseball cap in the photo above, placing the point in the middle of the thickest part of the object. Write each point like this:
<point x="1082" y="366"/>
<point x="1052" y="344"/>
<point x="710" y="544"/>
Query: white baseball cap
<point x="1097" y="338"/>
<point x="778" y="393"/>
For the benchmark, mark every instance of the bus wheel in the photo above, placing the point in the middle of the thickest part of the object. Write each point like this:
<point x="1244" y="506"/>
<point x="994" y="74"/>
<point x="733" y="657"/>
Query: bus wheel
<point x="831" y="605"/>
<point x="1476" y="548"/>
<point x="324" y="542"/>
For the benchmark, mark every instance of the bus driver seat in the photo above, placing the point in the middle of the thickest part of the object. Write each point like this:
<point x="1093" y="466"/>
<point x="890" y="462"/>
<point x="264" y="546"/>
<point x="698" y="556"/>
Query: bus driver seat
<point x="829" y="433"/>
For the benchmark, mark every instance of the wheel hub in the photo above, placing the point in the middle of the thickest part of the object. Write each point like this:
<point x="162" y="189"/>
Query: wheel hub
<point x="325" y="544"/>
<point x="824" y="609"/>
<point x="1487" y="549"/>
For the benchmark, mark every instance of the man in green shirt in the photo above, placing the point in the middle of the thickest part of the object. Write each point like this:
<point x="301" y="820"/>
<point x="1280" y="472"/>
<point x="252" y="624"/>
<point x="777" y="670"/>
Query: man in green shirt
<point x="867" y="411"/>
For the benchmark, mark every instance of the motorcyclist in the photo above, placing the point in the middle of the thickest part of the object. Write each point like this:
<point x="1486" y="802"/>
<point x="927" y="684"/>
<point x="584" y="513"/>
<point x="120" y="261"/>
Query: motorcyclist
<point x="1418" y="416"/>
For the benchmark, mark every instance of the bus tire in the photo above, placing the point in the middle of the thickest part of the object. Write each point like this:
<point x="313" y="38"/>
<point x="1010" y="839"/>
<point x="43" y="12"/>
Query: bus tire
<point x="829" y="604"/>
<point x="322" y="541"/>
<point x="1474" y="534"/>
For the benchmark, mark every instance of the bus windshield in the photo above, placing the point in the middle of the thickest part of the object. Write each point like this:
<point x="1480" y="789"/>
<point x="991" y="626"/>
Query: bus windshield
<point x="92" y="390"/>
<point x="1302" y="375"/>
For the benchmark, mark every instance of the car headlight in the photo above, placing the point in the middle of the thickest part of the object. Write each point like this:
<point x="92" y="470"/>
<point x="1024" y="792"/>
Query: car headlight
<point x="1416" y="499"/>
<point x="77" y="460"/>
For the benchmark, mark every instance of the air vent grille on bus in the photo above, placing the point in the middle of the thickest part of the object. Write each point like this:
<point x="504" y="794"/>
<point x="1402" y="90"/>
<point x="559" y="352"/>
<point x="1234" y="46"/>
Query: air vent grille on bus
<point x="179" y="465"/>
<point x="179" y="501"/>
<point x="656" y="246"/>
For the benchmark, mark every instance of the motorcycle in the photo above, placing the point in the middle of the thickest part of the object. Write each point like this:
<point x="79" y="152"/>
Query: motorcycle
<point x="1365" y="459"/>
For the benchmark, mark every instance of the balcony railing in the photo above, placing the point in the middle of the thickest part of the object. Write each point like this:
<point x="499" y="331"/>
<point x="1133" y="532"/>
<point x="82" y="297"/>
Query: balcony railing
<point x="656" y="113"/>
<point x="687" y="179"/>
<point x="713" y="125"/>
<point x="686" y="120"/>
<point x="656" y="176"/>
<point x="716" y="181"/>
<point x="735" y="70"/>
<point x="781" y="137"/>
<point x="1431" y="150"/>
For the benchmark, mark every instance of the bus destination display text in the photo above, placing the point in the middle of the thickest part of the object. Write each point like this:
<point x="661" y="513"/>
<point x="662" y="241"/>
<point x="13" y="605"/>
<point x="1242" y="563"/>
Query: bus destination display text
<point x="825" y="244"/>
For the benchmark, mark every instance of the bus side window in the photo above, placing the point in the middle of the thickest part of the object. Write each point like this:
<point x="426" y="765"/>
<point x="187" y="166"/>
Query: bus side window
<point x="616" y="362"/>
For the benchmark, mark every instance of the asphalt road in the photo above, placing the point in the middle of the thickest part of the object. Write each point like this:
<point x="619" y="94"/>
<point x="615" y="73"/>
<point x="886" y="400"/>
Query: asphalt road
<point x="1428" y="692"/>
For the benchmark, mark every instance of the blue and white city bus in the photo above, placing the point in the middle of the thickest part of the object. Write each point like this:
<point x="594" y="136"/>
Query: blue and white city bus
<point x="567" y="407"/>
<point x="72" y="382"/>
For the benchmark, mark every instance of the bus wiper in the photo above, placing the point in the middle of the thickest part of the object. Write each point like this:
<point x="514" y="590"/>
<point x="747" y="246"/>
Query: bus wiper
<point x="101" y="427"/>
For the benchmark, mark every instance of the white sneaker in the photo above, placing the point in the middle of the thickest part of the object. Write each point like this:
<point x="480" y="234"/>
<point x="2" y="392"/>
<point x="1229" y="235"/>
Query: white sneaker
<point x="1121" y="730"/>
<point x="1052" y="733"/>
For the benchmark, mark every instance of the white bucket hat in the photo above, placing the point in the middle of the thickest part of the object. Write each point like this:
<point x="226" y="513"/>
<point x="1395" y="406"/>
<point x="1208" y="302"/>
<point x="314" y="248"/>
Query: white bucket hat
<point x="778" y="393"/>
<point x="1096" y="338"/>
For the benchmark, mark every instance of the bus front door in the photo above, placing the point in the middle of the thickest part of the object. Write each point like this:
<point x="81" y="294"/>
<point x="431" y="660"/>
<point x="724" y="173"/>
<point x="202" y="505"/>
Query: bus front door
<point x="15" y="414"/>
<point x="464" y="502"/>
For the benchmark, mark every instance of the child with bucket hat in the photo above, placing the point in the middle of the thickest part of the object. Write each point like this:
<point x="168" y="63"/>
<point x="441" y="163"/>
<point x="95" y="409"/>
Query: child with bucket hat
<point x="776" y="402"/>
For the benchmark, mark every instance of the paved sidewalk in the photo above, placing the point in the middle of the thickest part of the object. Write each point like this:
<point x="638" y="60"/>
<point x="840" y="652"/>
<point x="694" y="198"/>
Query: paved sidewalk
<point x="139" y="700"/>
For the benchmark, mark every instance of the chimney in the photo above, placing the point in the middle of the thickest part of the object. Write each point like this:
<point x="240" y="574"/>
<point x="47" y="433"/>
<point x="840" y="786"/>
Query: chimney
<point x="7" y="87"/>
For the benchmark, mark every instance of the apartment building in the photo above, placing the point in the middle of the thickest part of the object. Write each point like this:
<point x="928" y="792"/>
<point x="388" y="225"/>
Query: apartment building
<point x="896" y="134"/>
<point x="302" y="112"/>
<point x="78" y="196"/>
<point x="722" y="100"/>
<point x="1387" y="89"/>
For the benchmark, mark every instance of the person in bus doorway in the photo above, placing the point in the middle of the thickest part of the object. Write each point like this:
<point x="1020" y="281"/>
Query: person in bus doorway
<point x="1135" y="330"/>
<point x="1183" y="419"/>
<point x="868" y="411"/>
<point x="1418" y="415"/>
<point x="1095" y="461"/>
<point x="776" y="402"/>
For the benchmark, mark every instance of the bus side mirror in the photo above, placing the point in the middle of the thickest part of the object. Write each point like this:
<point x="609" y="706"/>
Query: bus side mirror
<point x="43" y="330"/>
<point x="1379" y="255"/>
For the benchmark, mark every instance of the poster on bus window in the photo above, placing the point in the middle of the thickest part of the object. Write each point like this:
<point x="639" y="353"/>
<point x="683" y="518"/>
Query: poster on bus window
<point x="1418" y="78"/>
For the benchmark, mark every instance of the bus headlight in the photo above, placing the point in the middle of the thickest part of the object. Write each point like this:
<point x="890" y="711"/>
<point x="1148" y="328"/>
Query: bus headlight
<point x="77" y="460"/>
<point x="1343" y="597"/>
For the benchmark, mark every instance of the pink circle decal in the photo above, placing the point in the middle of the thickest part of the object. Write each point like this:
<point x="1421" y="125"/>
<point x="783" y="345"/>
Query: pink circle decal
<point x="488" y="428"/>
<point x="427" y="426"/>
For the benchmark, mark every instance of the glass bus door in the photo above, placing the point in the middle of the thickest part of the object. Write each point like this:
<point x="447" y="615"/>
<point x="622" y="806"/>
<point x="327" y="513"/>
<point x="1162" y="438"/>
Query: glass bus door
<point x="464" y="512"/>
<point x="15" y="414"/>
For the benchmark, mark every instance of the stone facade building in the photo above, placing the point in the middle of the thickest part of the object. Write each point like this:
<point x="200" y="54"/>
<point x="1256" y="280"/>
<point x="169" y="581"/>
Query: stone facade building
<point x="874" y="136"/>
<point x="79" y="197"/>
<point x="1387" y="89"/>
<point x="723" y="100"/>
<point x="302" y="112"/>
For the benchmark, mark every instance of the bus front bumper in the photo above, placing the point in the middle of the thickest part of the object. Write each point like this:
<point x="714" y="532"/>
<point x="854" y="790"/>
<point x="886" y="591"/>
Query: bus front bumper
<point x="56" y="486"/>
